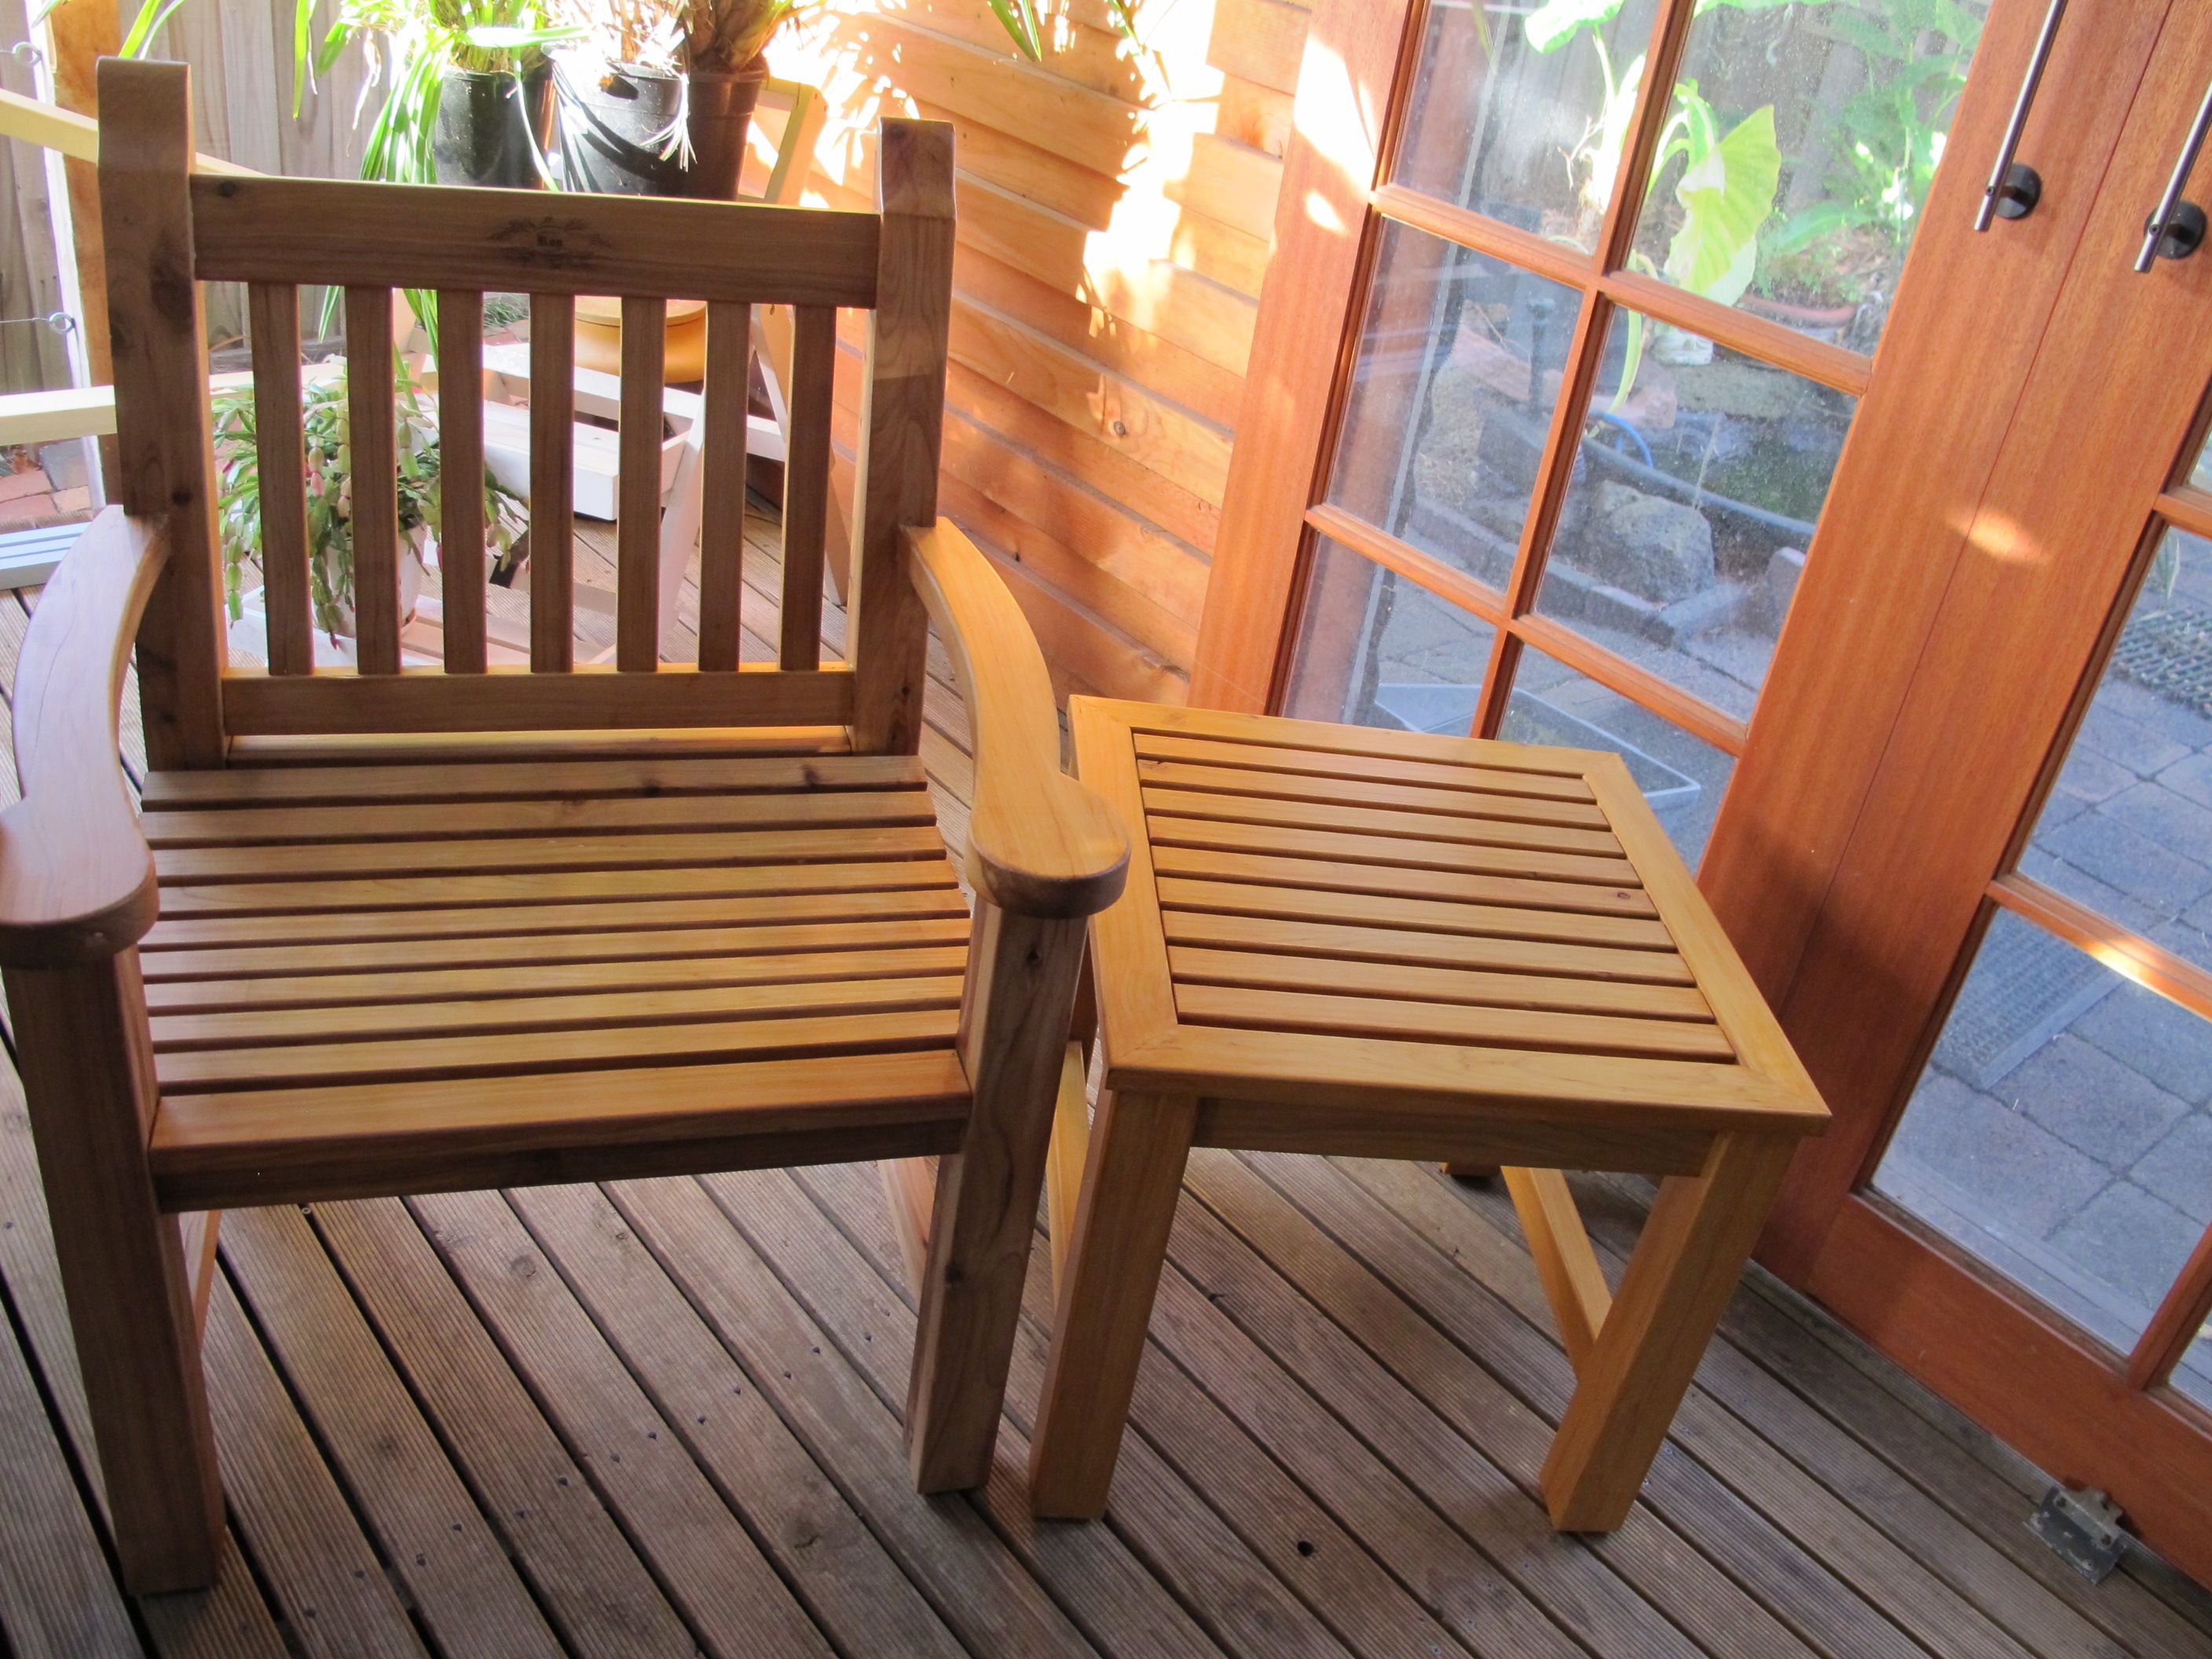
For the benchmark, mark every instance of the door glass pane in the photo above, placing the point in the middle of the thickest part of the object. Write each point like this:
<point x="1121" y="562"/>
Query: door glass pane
<point x="2128" y="829"/>
<point x="1693" y="500"/>
<point x="2062" y="1132"/>
<point x="1523" y="117"/>
<point x="1458" y="368"/>
<point x="1682" y="777"/>
<point x="1378" y="650"/>
<point x="1799" y="153"/>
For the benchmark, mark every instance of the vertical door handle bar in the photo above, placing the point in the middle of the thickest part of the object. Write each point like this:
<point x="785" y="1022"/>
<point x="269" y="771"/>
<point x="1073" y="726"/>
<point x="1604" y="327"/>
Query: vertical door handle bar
<point x="2176" y="228"/>
<point x="2015" y="187"/>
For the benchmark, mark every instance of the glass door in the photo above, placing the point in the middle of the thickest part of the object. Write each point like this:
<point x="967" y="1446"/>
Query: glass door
<point x="1615" y="326"/>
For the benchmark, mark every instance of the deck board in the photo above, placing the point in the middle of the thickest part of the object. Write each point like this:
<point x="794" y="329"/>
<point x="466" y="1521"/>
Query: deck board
<point x="662" y="1417"/>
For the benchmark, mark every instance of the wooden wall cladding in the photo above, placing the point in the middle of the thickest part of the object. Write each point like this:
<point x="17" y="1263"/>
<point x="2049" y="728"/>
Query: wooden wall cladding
<point x="1116" y="202"/>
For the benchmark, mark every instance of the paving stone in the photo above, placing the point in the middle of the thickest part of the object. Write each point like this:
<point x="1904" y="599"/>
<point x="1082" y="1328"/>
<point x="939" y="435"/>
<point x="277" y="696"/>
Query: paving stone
<point x="2191" y="775"/>
<point x="2177" y="722"/>
<point x="2089" y="776"/>
<point x="2006" y="1166"/>
<point x="2091" y="1100"/>
<point x="2156" y="1039"/>
<point x="2131" y="1240"/>
<point x="2134" y="863"/>
<point x="2078" y="884"/>
<point x="2126" y="740"/>
<point x="2180" y="1168"/>
<point x="2174" y="820"/>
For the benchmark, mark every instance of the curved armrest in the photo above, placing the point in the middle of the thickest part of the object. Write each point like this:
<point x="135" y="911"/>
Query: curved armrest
<point x="76" y="882"/>
<point x="1039" y="843"/>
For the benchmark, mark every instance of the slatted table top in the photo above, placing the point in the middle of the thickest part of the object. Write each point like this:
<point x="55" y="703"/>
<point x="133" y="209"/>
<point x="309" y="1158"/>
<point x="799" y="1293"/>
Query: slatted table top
<point x="1318" y="913"/>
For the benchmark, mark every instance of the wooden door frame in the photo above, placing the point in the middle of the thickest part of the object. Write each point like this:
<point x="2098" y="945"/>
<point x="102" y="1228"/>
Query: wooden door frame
<point x="1807" y="888"/>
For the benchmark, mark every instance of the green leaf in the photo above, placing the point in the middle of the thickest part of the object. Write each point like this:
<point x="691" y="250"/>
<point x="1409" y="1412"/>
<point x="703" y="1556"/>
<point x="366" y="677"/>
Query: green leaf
<point x="1554" y="22"/>
<point x="1726" y="194"/>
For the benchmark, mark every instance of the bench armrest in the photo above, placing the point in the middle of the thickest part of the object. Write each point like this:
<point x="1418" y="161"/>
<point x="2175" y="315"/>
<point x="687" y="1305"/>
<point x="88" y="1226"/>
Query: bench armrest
<point x="1039" y="843"/>
<point x="76" y="880"/>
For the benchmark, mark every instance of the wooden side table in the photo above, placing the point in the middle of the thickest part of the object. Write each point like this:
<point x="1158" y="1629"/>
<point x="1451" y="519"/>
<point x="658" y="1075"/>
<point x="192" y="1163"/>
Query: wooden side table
<point x="1379" y="944"/>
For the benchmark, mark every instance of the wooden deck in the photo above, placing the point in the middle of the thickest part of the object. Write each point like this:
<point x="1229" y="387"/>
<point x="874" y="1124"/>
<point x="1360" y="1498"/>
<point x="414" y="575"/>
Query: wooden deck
<point x="662" y="1418"/>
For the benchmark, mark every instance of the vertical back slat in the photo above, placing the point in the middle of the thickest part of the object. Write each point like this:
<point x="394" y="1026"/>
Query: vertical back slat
<point x="552" y="482"/>
<point x="637" y="511"/>
<point x="722" y="526"/>
<point x="372" y="436"/>
<point x="460" y="475"/>
<point x="273" y="311"/>
<point x="807" y="483"/>
<point x="163" y="424"/>
<point x="902" y="426"/>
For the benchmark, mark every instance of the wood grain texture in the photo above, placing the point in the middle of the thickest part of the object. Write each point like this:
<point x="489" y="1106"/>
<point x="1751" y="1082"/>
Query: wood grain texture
<point x="903" y="419"/>
<point x="166" y="460"/>
<point x="75" y="878"/>
<point x="508" y="699"/>
<point x="1012" y="1043"/>
<point x="637" y="590"/>
<point x="461" y="542"/>
<point x="552" y="483"/>
<point x="808" y="397"/>
<point x="1038" y="843"/>
<point x="88" y="1078"/>
<point x="397" y="236"/>
<point x="279" y="460"/>
<point x="722" y="528"/>
<point x="371" y="397"/>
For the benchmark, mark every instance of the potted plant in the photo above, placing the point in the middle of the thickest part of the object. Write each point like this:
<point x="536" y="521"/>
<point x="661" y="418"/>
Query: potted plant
<point x="658" y="99"/>
<point x="468" y="95"/>
<point x="327" y="462"/>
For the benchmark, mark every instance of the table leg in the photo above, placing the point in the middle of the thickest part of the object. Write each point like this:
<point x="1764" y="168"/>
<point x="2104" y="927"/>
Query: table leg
<point x="1138" y="1145"/>
<point x="1685" y="1267"/>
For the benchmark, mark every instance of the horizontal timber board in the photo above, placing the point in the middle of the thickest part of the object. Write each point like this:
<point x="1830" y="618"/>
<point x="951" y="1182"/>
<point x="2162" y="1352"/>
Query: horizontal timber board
<point x="332" y="785"/>
<point x="382" y="235"/>
<point x="1220" y="891"/>
<point x="218" y="1151"/>
<point x="456" y="820"/>
<point x="581" y="854"/>
<point x="1488" y="1027"/>
<point x="1351" y="942"/>
<point x="514" y="700"/>
<point x="1323" y="874"/>
<point x="417" y="967"/>
<point x="851" y="951"/>
<point x="603" y="1007"/>
<point x="399" y="907"/>
<point x="823" y="1036"/>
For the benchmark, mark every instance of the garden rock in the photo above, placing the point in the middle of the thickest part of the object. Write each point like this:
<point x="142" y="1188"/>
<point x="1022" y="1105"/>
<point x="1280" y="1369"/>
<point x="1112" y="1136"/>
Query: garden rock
<point x="1658" y="549"/>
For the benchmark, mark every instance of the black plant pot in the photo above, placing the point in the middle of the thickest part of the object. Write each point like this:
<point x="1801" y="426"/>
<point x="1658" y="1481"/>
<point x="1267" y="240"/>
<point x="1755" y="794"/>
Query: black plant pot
<point x="615" y="120"/>
<point x="720" y="117"/>
<point x="488" y="125"/>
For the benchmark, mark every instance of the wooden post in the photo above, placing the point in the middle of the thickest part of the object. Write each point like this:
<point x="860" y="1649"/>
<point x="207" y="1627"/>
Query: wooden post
<point x="1014" y="1038"/>
<point x="902" y="420"/>
<point x="74" y="37"/>
<point x="87" y="1068"/>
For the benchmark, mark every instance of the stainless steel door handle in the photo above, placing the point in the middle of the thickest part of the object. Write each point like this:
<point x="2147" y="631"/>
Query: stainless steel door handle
<point x="2176" y="230"/>
<point x="2015" y="187"/>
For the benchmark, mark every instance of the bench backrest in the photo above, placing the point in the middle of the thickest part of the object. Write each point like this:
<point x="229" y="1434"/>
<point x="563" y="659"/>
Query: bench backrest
<point x="168" y="230"/>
